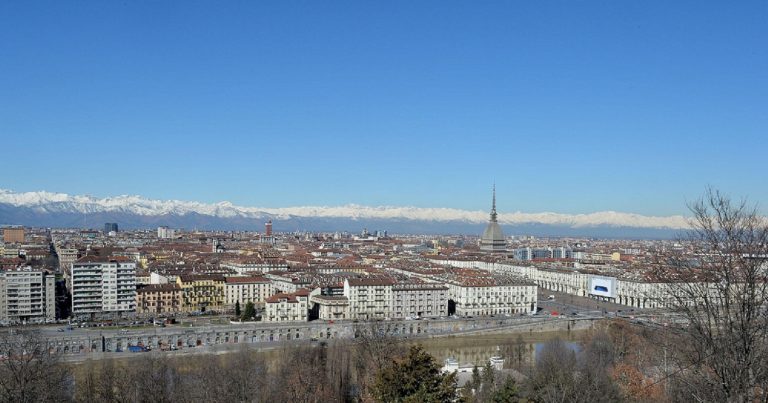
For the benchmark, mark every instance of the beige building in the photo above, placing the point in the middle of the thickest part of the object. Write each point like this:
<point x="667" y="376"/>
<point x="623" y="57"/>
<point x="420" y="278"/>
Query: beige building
<point x="158" y="298"/>
<point x="330" y="307"/>
<point x="201" y="292"/>
<point x="247" y="289"/>
<point x="369" y="298"/>
<point x="292" y="307"/>
<point x="13" y="235"/>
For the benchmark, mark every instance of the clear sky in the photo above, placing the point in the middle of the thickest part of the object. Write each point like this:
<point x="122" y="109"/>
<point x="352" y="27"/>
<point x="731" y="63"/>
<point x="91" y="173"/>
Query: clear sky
<point x="569" y="106"/>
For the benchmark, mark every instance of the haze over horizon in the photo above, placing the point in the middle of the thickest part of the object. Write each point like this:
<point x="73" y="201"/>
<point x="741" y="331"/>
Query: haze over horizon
<point x="571" y="108"/>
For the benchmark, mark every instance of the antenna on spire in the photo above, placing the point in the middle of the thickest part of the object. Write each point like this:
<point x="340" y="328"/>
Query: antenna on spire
<point x="493" y="206"/>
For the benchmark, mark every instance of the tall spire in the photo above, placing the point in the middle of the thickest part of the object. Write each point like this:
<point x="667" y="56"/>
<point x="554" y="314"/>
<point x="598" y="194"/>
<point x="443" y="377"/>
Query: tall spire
<point x="493" y="206"/>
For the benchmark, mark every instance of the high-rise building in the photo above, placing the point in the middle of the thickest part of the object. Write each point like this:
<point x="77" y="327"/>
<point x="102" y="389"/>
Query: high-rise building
<point x="13" y="234"/>
<point x="103" y="286"/>
<point x="27" y="296"/>
<point x="110" y="227"/>
<point x="165" y="232"/>
<point x="268" y="228"/>
<point x="493" y="238"/>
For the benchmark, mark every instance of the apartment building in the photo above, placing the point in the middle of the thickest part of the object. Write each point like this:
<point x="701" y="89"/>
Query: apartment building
<point x="247" y="289"/>
<point x="330" y="307"/>
<point x="103" y="287"/>
<point x="27" y="296"/>
<point x="369" y="298"/>
<point x="640" y="294"/>
<point x="202" y="292"/>
<point x="283" y="307"/>
<point x="419" y="300"/>
<point x="166" y="233"/>
<point x="482" y="296"/>
<point x="158" y="299"/>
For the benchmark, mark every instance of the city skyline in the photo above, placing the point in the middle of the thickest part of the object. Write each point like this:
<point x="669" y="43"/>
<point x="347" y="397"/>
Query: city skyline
<point x="569" y="108"/>
<point x="324" y="201"/>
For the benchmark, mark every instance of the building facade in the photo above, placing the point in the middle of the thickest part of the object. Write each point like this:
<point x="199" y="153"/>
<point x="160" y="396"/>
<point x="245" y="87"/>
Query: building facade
<point x="330" y="307"/>
<point x="635" y="293"/>
<point x="103" y="287"/>
<point x="473" y="298"/>
<point x="247" y="289"/>
<point x="13" y="234"/>
<point x="282" y="307"/>
<point x="419" y="300"/>
<point x="202" y="292"/>
<point x="369" y="298"/>
<point x="166" y="233"/>
<point x="27" y="296"/>
<point x="158" y="299"/>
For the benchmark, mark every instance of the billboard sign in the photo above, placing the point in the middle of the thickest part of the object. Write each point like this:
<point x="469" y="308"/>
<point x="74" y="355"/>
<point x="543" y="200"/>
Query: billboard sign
<point x="602" y="286"/>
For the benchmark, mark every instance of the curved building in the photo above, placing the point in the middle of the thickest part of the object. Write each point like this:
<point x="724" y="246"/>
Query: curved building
<point x="493" y="238"/>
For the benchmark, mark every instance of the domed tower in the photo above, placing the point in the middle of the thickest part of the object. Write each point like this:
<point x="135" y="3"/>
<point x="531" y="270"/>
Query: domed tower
<point x="493" y="239"/>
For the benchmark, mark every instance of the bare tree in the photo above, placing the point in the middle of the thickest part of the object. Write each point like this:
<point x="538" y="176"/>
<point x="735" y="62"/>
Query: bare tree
<point x="87" y="390"/>
<point x="375" y="349"/>
<point x="554" y="376"/>
<point x="238" y="377"/>
<point x="720" y="289"/>
<point x="149" y="378"/>
<point x="562" y="375"/>
<point x="30" y="371"/>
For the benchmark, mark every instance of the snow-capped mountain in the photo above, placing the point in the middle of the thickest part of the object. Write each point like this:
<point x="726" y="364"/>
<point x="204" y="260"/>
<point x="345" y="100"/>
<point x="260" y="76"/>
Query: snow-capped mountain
<point x="60" y="209"/>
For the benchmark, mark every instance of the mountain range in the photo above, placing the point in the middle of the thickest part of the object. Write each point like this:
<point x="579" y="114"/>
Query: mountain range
<point x="47" y="209"/>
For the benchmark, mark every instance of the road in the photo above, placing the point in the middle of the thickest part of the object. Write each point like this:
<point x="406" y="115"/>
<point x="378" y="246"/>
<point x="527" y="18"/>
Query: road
<point x="568" y="303"/>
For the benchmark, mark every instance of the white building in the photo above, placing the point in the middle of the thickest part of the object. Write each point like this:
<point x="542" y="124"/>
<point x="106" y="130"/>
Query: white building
<point x="419" y="300"/>
<point x="247" y="289"/>
<point x="165" y="232"/>
<point x="639" y="294"/>
<point x="157" y="278"/>
<point x="292" y="307"/>
<point x="480" y="297"/>
<point x="330" y="307"/>
<point x="27" y="296"/>
<point x="67" y="256"/>
<point x="369" y="298"/>
<point x="254" y="267"/>
<point x="285" y="284"/>
<point x="103" y="286"/>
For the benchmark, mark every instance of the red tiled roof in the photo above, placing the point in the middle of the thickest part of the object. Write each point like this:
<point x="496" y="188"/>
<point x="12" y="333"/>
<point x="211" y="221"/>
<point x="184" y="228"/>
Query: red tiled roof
<point x="158" y="288"/>
<point x="188" y="278"/>
<point x="357" y="282"/>
<point x="246" y="280"/>
<point x="277" y="297"/>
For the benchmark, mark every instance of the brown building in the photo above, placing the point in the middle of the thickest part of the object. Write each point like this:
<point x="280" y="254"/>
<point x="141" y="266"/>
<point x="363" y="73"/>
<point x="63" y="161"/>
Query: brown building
<point x="158" y="298"/>
<point x="13" y="235"/>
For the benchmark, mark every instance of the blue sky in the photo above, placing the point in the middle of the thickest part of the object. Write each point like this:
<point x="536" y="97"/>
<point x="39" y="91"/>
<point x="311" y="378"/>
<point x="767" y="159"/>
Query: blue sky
<point x="572" y="106"/>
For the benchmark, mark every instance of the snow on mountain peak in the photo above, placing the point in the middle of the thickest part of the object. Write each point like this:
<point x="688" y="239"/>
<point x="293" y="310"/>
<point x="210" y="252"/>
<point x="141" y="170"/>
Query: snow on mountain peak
<point x="43" y="201"/>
